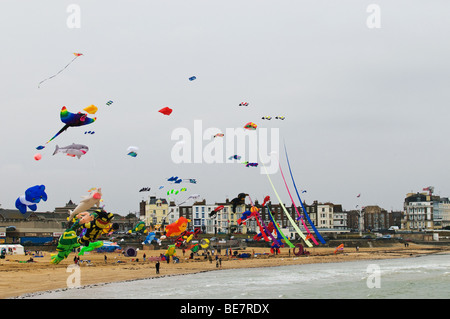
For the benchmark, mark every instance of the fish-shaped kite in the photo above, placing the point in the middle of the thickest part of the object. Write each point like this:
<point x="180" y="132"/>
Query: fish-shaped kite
<point x="70" y="119"/>
<point x="72" y="150"/>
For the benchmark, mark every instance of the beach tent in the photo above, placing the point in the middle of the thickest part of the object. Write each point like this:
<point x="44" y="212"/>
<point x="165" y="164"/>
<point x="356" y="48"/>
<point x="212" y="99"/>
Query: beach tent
<point x="13" y="249"/>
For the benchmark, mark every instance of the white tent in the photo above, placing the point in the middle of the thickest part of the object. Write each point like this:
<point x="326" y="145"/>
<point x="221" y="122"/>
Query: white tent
<point x="13" y="249"/>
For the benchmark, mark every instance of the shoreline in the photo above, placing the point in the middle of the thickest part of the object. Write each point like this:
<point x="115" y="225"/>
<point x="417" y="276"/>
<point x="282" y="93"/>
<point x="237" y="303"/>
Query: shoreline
<point x="22" y="280"/>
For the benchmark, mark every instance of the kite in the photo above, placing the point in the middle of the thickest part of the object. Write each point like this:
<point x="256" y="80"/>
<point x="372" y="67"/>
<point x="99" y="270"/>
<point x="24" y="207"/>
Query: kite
<point x="174" y="191"/>
<point x="301" y="202"/>
<point x="37" y="156"/>
<point x="247" y="164"/>
<point x="165" y="110"/>
<point x="89" y="132"/>
<point x="239" y="200"/>
<point x="191" y="180"/>
<point x="237" y="157"/>
<point x="175" y="179"/>
<point x="87" y="202"/>
<point x="70" y="119"/>
<point x="138" y="228"/>
<point x="150" y="237"/>
<point x="195" y="196"/>
<point x="132" y="151"/>
<point x="170" y="251"/>
<point x="72" y="150"/>
<point x="177" y="227"/>
<point x="109" y="102"/>
<point x="340" y="247"/>
<point x="280" y="117"/>
<point x="91" y="247"/>
<point x="243" y="104"/>
<point x="144" y="189"/>
<point x="91" y="109"/>
<point x="32" y="196"/>
<point x="192" y="78"/>
<point x="76" y="56"/>
<point x="250" y="126"/>
<point x="219" y="135"/>
<point x="216" y="210"/>
<point x="267" y="118"/>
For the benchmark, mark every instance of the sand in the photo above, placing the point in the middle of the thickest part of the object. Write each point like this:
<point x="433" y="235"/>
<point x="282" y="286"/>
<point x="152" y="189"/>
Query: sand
<point x="19" y="278"/>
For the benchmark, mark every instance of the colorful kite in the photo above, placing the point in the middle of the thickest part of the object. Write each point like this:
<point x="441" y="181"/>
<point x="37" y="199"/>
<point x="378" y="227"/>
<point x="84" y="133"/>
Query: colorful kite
<point x="243" y="104"/>
<point x="280" y="117"/>
<point x="165" y="110"/>
<point x="339" y="248"/>
<point x="250" y="126"/>
<point x="70" y="119"/>
<point x="109" y="102"/>
<point x="219" y="135"/>
<point x="236" y="157"/>
<point x="91" y="109"/>
<point x="76" y="56"/>
<point x="267" y="118"/>
<point x="247" y="164"/>
<point x="216" y="210"/>
<point x="177" y="227"/>
<point x="132" y="151"/>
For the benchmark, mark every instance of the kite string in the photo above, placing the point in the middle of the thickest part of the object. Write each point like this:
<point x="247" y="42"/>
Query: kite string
<point x="297" y="229"/>
<point x="264" y="227"/>
<point x="292" y="200"/>
<point x="39" y="85"/>
<point x="303" y="207"/>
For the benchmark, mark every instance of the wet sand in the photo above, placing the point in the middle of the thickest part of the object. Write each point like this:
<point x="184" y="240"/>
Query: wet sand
<point x="20" y="278"/>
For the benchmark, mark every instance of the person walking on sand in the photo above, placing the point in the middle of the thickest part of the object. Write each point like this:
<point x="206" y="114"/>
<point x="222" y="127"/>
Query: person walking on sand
<point x="144" y="256"/>
<point x="105" y="259"/>
<point x="157" y="267"/>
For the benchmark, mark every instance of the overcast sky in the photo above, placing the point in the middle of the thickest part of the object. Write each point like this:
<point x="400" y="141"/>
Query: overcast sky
<point x="366" y="109"/>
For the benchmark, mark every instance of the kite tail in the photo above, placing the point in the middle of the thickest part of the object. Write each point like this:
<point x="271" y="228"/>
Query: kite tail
<point x="303" y="207"/>
<point x="262" y="228"/>
<point x="303" y="221"/>
<point x="286" y="212"/>
<point x="60" y="131"/>
<point x="279" y="232"/>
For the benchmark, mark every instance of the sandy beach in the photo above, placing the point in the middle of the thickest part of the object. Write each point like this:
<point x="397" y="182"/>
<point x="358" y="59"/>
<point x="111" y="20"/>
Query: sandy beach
<point x="21" y="278"/>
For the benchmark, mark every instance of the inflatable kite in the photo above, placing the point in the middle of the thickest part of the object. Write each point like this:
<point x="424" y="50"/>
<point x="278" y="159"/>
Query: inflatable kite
<point x="37" y="156"/>
<point x="170" y="251"/>
<point x="239" y="200"/>
<point x="165" y="110"/>
<point x="91" y="247"/>
<point x="70" y="120"/>
<point x="86" y="203"/>
<point x="250" y="126"/>
<point x="76" y="56"/>
<point x="32" y="196"/>
<point x="216" y="210"/>
<point x="138" y="228"/>
<point x="73" y="150"/>
<point x="177" y="227"/>
<point x="90" y="231"/>
<point x="150" y="237"/>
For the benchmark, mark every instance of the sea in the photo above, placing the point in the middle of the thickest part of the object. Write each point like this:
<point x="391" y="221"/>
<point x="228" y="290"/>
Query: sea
<point x="421" y="277"/>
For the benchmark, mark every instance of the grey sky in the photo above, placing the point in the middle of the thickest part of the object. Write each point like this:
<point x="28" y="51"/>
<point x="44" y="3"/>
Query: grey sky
<point x="366" y="109"/>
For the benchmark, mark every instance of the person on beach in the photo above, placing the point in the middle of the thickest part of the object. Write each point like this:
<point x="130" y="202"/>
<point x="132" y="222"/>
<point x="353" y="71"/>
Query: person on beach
<point x="144" y="256"/>
<point x="106" y="258"/>
<point x="157" y="267"/>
